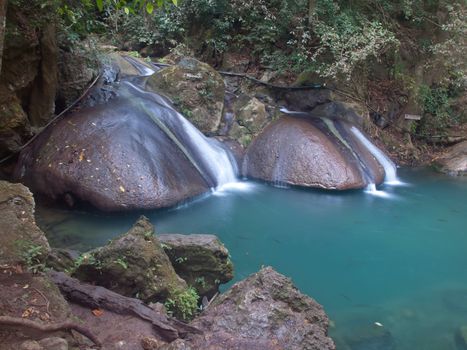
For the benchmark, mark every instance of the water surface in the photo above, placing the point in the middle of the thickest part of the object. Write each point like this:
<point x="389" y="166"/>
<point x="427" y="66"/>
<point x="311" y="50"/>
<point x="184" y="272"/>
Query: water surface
<point x="398" y="259"/>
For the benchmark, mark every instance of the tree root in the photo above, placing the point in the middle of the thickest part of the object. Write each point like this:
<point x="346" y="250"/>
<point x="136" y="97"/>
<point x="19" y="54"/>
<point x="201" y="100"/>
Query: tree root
<point x="16" y="322"/>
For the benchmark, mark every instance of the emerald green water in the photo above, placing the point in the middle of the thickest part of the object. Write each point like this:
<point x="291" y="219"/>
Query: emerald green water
<point x="399" y="259"/>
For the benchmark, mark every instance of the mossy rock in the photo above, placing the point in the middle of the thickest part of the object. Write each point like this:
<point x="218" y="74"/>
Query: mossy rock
<point x="134" y="265"/>
<point x="196" y="90"/>
<point x="21" y="241"/>
<point x="200" y="259"/>
<point x="251" y="117"/>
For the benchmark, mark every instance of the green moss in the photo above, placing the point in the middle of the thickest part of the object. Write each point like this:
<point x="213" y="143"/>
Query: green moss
<point x="183" y="304"/>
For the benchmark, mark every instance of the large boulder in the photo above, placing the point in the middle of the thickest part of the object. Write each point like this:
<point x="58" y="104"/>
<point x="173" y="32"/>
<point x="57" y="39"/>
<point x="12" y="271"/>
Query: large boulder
<point x="127" y="154"/>
<point x="133" y="265"/>
<point x="21" y="241"/>
<point x="311" y="152"/>
<point x="196" y="89"/>
<point x="454" y="162"/>
<point x="263" y="312"/>
<point x="200" y="259"/>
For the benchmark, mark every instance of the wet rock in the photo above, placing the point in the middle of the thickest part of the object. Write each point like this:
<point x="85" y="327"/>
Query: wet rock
<point x="307" y="152"/>
<point x="21" y="241"/>
<point x="133" y="265"/>
<point x="196" y="89"/>
<point x="454" y="162"/>
<point x="263" y="312"/>
<point x="250" y="118"/>
<point x="132" y="164"/>
<point x="200" y="259"/>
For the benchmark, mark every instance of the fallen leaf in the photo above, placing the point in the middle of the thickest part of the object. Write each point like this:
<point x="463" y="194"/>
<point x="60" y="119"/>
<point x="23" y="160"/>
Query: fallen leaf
<point x="97" y="312"/>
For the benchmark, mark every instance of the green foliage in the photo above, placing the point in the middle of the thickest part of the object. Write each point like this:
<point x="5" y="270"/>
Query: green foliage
<point x="438" y="114"/>
<point x="122" y="262"/>
<point x="88" y="259"/>
<point x="33" y="256"/>
<point x="201" y="281"/>
<point x="183" y="304"/>
<point x="131" y="6"/>
<point x="181" y="259"/>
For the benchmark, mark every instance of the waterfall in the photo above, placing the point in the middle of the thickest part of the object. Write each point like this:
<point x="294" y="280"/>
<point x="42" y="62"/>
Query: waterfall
<point x="216" y="158"/>
<point x="212" y="161"/>
<point x="388" y="165"/>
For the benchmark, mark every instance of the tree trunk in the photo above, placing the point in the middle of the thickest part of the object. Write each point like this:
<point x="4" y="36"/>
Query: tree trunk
<point x="3" y="6"/>
<point x="311" y="12"/>
<point x="99" y="297"/>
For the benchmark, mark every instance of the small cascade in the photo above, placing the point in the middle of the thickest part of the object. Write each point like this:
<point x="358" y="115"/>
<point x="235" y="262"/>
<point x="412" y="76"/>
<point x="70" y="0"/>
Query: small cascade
<point x="144" y="70"/>
<point x="211" y="160"/>
<point x="332" y="126"/>
<point x="388" y="165"/>
<point x="216" y="158"/>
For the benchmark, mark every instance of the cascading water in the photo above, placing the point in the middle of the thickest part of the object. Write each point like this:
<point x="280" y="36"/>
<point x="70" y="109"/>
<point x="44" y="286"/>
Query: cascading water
<point x="388" y="165"/>
<point x="211" y="160"/>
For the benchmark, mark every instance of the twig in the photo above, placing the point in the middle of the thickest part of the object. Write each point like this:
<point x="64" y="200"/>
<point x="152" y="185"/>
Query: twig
<point x="52" y="121"/>
<point x="212" y="299"/>
<point x="47" y="302"/>
<point x="47" y="328"/>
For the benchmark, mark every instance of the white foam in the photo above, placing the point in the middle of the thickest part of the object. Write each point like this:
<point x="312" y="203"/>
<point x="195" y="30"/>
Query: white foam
<point x="287" y="111"/>
<point x="371" y="189"/>
<point x="237" y="186"/>
<point x="389" y="167"/>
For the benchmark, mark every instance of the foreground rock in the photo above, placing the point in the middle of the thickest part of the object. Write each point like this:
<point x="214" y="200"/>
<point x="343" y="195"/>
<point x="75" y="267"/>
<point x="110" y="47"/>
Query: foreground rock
<point x="201" y="260"/>
<point x="196" y="89"/>
<point x="133" y="264"/>
<point x="21" y="241"/>
<point x="263" y="312"/>
<point x="311" y="152"/>
<point x="31" y="298"/>
<point x="454" y="162"/>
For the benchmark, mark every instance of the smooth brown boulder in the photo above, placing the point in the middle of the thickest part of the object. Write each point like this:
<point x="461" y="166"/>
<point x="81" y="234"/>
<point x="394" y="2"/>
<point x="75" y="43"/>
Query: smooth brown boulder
<point x="114" y="156"/>
<point x="307" y="152"/>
